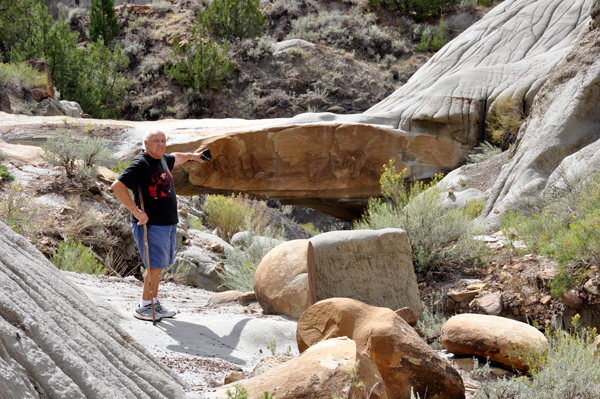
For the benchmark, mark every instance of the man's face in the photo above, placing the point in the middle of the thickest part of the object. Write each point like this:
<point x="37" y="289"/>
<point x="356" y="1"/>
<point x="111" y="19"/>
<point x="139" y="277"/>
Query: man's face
<point x="156" y="143"/>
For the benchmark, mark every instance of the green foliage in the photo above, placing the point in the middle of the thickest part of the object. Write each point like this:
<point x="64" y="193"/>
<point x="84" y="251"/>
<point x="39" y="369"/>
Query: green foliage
<point x="23" y="75"/>
<point x="570" y="370"/>
<point x="200" y="63"/>
<point x="240" y="393"/>
<point x="437" y="236"/>
<point x="18" y="211"/>
<point x="420" y="9"/>
<point x="75" y="257"/>
<point x="100" y="85"/>
<point x="120" y="167"/>
<point x="196" y="223"/>
<point x="272" y="347"/>
<point x="354" y="30"/>
<point x="310" y="227"/>
<point x="5" y="175"/>
<point x="79" y="158"/>
<point x="226" y="214"/>
<point x="484" y="152"/>
<point x="565" y="226"/>
<point x="431" y="321"/>
<point x="104" y="23"/>
<point x="235" y="18"/>
<point x="242" y="262"/>
<point x="505" y="117"/>
<point x="433" y="38"/>
<point x="485" y="3"/>
<point x="17" y="18"/>
<point x="474" y="208"/>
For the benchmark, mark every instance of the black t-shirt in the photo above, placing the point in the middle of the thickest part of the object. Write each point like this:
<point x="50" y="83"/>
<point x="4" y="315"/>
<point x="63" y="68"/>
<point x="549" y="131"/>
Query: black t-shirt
<point x="158" y="189"/>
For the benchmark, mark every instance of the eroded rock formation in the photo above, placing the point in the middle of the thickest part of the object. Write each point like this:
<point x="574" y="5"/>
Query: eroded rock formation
<point x="54" y="342"/>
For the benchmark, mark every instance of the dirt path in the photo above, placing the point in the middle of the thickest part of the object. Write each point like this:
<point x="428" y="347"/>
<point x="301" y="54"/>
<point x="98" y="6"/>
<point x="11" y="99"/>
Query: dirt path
<point x="202" y="344"/>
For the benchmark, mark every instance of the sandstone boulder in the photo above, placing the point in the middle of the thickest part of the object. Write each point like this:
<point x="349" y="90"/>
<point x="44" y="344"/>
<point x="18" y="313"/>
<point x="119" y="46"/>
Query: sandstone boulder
<point x="57" y="343"/>
<point x="372" y="266"/>
<point x="408" y="315"/>
<point x="491" y="304"/>
<point x="321" y="372"/>
<point x="221" y="298"/>
<point x="500" y="339"/>
<point x="284" y="279"/>
<point x="402" y="357"/>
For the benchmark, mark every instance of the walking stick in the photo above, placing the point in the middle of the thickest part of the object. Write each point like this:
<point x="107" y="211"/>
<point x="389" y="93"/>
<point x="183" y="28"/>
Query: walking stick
<point x="147" y="257"/>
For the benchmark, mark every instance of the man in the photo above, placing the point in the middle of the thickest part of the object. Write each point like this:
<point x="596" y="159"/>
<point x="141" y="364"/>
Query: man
<point x="151" y="170"/>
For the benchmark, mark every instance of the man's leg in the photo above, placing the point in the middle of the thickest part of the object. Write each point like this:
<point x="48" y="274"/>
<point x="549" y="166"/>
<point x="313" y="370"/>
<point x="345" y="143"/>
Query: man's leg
<point x="155" y="278"/>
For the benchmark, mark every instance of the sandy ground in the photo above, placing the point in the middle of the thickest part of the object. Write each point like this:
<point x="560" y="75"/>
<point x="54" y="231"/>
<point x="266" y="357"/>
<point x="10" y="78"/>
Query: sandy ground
<point x="202" y="344"/>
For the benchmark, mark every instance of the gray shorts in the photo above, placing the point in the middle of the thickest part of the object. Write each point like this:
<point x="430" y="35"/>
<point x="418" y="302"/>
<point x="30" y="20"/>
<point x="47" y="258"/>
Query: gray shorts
<point x="161" y="244"/>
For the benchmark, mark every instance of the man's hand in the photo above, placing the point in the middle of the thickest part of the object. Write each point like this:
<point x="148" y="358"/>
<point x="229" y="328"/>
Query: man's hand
<point x="141" y="217"/>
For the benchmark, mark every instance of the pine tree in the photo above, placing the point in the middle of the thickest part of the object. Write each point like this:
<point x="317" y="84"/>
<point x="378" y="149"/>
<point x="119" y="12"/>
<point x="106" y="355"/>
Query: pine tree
<point x="201" y="63"/>
<point x="236" y="18"/>
<point x="103" y="21"/>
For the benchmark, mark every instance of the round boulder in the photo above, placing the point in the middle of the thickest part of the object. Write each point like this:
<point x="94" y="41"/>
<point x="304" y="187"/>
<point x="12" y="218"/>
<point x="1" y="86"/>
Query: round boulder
<point x="283" y="283"/>
<point x="500" y="339"/>
<point x="402" y="357"/>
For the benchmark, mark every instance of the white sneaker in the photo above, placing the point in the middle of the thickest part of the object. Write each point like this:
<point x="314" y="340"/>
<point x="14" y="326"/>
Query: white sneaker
<point x="145" y="313"/>
<point x="162" y="311"/>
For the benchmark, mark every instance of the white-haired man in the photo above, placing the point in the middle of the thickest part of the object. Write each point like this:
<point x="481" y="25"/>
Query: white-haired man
<point x="151" y="170"/>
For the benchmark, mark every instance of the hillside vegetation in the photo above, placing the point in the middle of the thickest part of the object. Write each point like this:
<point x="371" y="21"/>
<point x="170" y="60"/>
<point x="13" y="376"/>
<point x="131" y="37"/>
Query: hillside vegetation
<point x="189" y="59"/>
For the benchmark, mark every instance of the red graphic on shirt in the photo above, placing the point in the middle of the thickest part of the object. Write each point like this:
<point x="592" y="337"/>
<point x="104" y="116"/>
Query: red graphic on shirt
<point x="161" y="185"/>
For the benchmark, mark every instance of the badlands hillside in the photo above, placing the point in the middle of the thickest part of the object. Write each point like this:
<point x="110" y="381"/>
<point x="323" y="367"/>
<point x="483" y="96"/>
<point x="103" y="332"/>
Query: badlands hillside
<point x="458" y="254"/>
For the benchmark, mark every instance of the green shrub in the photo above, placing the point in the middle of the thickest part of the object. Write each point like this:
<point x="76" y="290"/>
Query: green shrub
<point x="310" y="227"/>
<point x="104" y="23"/>
<point x="431" y="321"/>
<point x="235" y="18"/>
<point x="243" y="262"/>
<point x="23" y="75"/>
<point x="484" y="152"/>
<point x="5" y="175"/>
<point x="18" y="211"/>
<point x="570" y="370"/>
<point x="200" y="63"/>
<point x="17" y="19"/>
<point x="566" y="226"/>
<point x="437" y="236"/>
<point x="226" y="214"/>
<point x="420" y="9"/>
<point x="196" y="223"/>
<point x="433" y="38"/>
<point x="76" y="257"/>
<point x="505" y="118"/>
<point x="485" y="3"/>
<point x="474" y="208"/>
<point x="354" y="30"/>
<point x="120" y="167"/>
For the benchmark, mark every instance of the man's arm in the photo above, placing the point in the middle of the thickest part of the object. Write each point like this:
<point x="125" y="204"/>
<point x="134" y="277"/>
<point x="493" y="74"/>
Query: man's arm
<point x="124" y="198"/>
<point x="183" y="157"/>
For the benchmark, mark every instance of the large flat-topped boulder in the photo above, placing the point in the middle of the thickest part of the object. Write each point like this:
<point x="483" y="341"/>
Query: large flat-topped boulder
<point x="509" y="52"/>
<point x="310" y="162"/>
<point x="56" y="343"/>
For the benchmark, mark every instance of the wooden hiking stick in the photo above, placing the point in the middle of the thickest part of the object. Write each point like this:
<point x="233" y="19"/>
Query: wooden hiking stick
<point x="147" y="257"/>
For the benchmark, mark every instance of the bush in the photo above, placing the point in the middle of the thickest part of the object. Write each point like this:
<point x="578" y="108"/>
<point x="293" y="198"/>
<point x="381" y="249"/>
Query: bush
<point x="564" y="225"/>
<point x="18" y="211"/>
<point x="432" y="37"/>
<point x="570" y="370"/>
<point x="431" y="322"/>
<point x="504" y="120"/>
<point x="120" y="167"/>
<point x="17" y="18"/>
<point x="226" y="214"/>
<point x="79" y="158"/>
<point x="354" y="30"/>
<point x="235" y="18"/>
<point x="5" y="175"/>
<point x="243" y="262"/>
<point x="200" y="63"/>
<point x="437" y="236"/>
<point x="484" y="152"/>
<point x="22" y="75"/>
<point x="104" y="23"/>
<point x="73" y="256"/>
<point x="161" y="6"/>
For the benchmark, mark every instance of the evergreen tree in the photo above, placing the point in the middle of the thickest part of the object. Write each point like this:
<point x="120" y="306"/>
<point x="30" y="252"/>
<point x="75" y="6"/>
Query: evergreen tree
<point x="201" y="63"/>
<point x="103" y="21"/>
<point x="235" y="18"/>
<point x="16" y="21"/>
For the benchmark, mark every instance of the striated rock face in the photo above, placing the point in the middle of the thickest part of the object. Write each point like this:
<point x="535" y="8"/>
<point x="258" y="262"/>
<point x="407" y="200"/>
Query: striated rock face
<point x="321" y="372"/>
<point x="564" y="120"/>
<point x="500" y="339"/>
<point x="56" y="343"/>
<point x="509" y="52"/>
<point x="402" y="357"/>
<point x="371" y="266"/>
